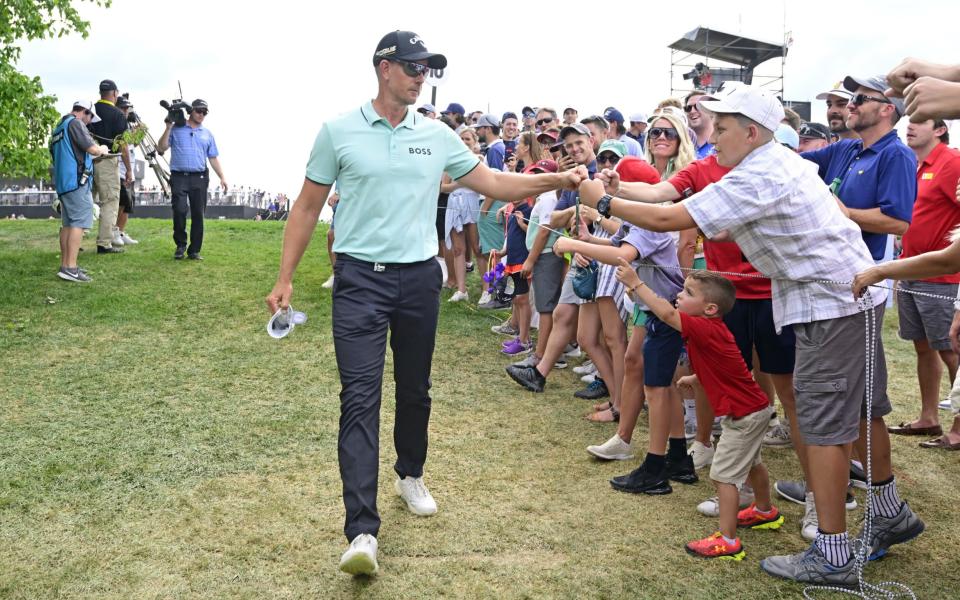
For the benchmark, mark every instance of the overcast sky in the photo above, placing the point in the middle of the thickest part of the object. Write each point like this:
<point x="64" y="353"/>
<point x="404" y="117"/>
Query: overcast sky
<point x="273" y="72"/>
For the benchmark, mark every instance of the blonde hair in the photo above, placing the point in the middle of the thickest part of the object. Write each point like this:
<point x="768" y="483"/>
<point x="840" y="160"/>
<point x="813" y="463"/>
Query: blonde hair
<point x="686" y="153"/>
<point x="476" y="139"/>
<point x="669" y="102"/>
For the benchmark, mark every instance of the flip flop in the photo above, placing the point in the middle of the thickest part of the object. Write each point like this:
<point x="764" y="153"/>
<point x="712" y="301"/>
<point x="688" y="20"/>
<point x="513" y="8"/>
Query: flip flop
<point x="601" y="416"/>
<point x="911" y="429"/>
<point x="940" y="443"/>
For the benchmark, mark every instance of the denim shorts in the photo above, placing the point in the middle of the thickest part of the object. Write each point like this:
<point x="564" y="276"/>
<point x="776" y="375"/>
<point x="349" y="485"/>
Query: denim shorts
<point x="661" y="351"/>
<point x="76" y="208"/>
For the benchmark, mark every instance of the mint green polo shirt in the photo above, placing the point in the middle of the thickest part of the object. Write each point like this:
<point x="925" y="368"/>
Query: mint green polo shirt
<point x="389" y="181"/>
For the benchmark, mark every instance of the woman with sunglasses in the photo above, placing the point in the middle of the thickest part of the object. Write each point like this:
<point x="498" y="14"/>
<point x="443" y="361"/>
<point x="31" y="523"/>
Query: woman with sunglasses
<point x="669" y="149"/>
<point x="460" y="227"/>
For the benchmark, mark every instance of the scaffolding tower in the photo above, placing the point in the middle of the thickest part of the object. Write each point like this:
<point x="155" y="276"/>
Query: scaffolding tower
<point x="694" y="56"/>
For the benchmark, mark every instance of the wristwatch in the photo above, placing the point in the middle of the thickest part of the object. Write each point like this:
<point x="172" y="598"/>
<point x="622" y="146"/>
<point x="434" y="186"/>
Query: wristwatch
<point x="603" y="205"/>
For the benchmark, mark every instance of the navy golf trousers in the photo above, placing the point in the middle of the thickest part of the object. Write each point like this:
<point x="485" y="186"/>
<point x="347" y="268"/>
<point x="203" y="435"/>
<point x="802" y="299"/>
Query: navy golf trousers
<point x="368" y="300"/>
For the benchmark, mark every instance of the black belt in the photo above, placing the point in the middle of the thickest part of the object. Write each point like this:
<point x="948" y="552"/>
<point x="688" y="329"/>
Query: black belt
<point x="188" y="172"/>
<point x="379" y="267"/>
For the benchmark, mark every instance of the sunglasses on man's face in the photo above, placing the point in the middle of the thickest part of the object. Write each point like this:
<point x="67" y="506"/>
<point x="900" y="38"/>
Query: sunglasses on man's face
<point x="691" y="107"/>
<point x="668" y="132"/>
<point x="861" y="99"/>
<point x="202" y="111"/>
<point x="544" y="121"/>
<point x="413" y="69"/>
<point x="608" y="159"/>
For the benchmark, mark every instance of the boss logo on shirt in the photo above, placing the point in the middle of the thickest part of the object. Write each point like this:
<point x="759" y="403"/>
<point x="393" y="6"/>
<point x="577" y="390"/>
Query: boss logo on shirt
<point x="423" y="151"/>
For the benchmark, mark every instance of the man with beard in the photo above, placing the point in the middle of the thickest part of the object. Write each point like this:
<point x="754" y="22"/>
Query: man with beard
<point x="837" y="111"/>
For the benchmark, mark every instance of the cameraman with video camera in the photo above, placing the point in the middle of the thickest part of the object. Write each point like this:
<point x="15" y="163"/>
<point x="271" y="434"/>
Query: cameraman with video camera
<point x="191" y="146"/>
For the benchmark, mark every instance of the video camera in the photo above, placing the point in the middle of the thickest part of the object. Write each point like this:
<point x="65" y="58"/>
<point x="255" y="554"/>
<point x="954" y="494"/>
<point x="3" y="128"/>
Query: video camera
<point x="175" y="111"/>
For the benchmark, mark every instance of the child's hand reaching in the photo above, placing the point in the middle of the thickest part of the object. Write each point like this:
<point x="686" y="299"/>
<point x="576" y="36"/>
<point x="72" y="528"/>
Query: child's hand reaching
<point x="626" y="275"/>
<point x="687" y="383"/>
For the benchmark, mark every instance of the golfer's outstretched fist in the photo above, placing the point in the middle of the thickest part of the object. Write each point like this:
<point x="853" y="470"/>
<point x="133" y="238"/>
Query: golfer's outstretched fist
<point x="573" y="177"/>
<point x="279" y="297"/>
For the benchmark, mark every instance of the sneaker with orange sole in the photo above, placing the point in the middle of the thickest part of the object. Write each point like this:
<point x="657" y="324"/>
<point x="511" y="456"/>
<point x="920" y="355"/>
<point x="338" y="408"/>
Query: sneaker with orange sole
<point x="714" y="546"/>
<point x="752" y="518"/>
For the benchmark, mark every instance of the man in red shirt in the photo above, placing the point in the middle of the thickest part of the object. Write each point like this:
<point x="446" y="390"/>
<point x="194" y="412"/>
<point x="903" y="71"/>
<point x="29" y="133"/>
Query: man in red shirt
<point x="926" y="321"/>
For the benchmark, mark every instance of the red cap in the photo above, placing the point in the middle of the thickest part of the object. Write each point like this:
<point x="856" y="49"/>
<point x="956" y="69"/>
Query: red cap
<point x="633" y="168"/>
<point x="542" y="166"/>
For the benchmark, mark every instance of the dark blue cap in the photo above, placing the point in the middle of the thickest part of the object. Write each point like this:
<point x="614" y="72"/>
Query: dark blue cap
<point x="612" y="114"/>
<point x="453" y="107"/>
<point x="508" y="115"/>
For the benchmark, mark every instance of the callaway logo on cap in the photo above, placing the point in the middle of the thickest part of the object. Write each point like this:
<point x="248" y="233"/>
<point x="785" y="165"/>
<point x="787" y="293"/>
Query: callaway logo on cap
<point x="407" y="46"/>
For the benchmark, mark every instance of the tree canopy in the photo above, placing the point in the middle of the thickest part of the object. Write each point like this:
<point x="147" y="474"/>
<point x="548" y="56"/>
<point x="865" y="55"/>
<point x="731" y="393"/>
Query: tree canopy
<point x="27" y="113"/>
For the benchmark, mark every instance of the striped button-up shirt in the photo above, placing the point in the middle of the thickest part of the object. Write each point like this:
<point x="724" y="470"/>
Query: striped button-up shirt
<point x="788" y="226"/>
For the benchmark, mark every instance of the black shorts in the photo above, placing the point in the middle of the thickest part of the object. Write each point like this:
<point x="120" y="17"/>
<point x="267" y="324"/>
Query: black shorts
<point x="751" y="323"/>
<point x="520" y="284"/>
<point x="126" y="200"/>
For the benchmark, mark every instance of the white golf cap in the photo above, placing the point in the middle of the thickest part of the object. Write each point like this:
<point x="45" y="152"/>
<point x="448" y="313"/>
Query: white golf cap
<point x="87" y="105"/>
<point x="755" y="103"/>
<point x="838" y="90"/>
<point x="638" y="117"/>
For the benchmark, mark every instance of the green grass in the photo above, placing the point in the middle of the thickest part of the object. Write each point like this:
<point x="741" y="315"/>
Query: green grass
<point x="155" y="442"/>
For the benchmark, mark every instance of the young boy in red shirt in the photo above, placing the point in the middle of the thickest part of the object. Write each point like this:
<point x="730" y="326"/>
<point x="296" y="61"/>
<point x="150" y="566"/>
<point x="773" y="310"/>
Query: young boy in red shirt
<point x="733" y="395"/>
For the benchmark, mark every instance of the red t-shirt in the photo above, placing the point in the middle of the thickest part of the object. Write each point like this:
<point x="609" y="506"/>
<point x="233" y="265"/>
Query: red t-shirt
<point x="936" y="213"/>
<point x="721" y="256"/>
<point x="716" y="359"/>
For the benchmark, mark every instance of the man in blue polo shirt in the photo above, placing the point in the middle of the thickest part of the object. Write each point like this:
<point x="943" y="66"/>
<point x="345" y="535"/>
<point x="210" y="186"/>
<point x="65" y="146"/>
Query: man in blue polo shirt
<point x="387" y="160"/>
<point x="192" y="145"/>
<point x="874" y="176"/>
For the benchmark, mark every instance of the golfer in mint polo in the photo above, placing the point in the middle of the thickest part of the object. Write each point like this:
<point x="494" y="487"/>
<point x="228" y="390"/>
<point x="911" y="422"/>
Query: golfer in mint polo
<point x="387" y="159"/>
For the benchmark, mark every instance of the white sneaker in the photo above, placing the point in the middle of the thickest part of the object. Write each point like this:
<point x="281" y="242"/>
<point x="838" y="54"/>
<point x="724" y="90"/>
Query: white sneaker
<point x="702" y="456"/>
<point x="612" y="449"/>
<point x="416" y="495"/>
<point x="571" y="351"/>
<point x="328" y="283"/>
<point x="117" y="239"/>
<point x="778" y="436"/>
<point x="484" y="298"/>
<point x="588" y="378"/>
<point x="810" y="522"/>
<point x="127" y="239"/>
<point x="945" y="404"/>
<point x="459" y="297"/>
<point x="586" y="368"/>
<point x="361" y="557"/>
<point x="711" y="506"/>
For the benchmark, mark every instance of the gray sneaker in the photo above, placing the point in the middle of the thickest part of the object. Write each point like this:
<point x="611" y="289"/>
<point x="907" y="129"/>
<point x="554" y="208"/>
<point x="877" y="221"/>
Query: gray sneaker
<point x="796" y="491"/>
<point x="887" y="531"/>
<point x="530" y="361"/>
<point x="76" y="275"/>
<point x="505" y="328"/>
<point x="810" y="566"/>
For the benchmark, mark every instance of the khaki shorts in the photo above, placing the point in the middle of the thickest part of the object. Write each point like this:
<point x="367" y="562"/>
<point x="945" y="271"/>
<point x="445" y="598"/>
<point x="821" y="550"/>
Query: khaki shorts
<point x="738" y="450"/>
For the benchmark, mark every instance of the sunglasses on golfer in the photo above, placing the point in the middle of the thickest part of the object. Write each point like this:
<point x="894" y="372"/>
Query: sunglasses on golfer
<point x="668" y="132"/>
<point x="861" y="99"/>
<point x="412" y="69"/>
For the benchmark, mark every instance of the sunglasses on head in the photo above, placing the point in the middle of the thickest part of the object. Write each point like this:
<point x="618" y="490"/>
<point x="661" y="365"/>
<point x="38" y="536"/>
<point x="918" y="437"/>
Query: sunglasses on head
<point x="668" y="132"/>
<point x="412" y="69"/>
<point x="809" y="132"/>
<point x="544" y="121"/>
<point x="608" y="158"/>
<point x="861" y="99"/>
